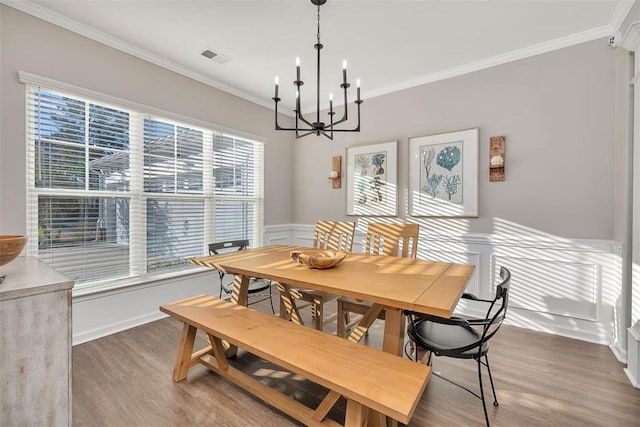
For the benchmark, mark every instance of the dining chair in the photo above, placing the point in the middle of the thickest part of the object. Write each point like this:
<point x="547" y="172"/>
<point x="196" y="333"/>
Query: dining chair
<point x="399" y="240"/>
<point x="257" y="287"/>
<point x="332" y="235"/>
<point x="463" y="338"/>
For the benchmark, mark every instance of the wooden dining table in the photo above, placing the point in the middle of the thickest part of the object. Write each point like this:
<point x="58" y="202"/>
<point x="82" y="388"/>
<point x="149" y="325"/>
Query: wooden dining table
<point x="390" y="283"/>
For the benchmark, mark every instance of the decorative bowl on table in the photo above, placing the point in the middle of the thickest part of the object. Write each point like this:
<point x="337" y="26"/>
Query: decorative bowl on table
<point x="318" y="258"/>
<point x="10" y="247"/>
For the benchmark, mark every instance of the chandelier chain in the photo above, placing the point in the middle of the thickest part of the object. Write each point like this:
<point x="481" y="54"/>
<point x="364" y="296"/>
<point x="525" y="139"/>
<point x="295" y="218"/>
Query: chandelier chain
<point x="318" y="24"/>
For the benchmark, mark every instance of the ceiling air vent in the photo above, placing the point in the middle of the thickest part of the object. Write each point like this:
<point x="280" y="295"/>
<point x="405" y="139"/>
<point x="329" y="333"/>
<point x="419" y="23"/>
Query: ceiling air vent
<point x="215" y="56"/>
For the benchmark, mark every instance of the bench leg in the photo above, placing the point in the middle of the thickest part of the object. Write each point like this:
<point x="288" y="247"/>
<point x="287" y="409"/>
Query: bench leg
<point x="356" y="415"/>
<point x="185" y="349"/>
<point x="325" y="406"/>
<point x="218" y="351"/>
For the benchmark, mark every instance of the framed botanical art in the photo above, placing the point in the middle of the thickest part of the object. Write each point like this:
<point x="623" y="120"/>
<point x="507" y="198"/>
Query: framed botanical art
<point x="372" y="179"/>
<point x="443" y="174"/>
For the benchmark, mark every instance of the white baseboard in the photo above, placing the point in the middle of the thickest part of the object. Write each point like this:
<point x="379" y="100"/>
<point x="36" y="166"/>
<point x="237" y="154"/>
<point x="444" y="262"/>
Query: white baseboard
<point x="634" y="381"/>
<point x="112" y="328"/>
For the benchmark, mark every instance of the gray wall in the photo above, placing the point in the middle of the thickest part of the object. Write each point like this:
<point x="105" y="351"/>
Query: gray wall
<point x="557" y="112"/>
<point x="32" y="45"/>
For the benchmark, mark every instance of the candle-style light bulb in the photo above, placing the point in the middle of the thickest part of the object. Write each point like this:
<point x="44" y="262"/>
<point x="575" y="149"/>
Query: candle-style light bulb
<point x="358" y="89"/>
<point x="344" y="71"/>
<point x="331" y="102"/>
<point x="297" y="68"/>
<point x="277" y="82"/>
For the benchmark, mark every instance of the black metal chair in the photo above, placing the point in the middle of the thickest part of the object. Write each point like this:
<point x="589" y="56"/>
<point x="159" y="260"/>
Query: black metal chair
<point x="463" y="338"/>
<point x="256" y="286"/>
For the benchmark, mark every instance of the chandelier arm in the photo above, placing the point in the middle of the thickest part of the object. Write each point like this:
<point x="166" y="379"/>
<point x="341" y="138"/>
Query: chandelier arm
<point x="342" y="120"/>
<point x="327" y="135"/>
<point x="301" y="117"/>
<point x="298" y="136"/>
<point x="331" y="127"/>
<point x="346" y="104"/>
<point x="296" y="129"/>
<point x="345" y="115"/>
<point x="278" y="127"/>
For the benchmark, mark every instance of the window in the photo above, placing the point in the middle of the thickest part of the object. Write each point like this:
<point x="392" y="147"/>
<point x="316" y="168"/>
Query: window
<point x="115" y="192"/>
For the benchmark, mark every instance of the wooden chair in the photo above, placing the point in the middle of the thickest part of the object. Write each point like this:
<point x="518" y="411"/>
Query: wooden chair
<point x="399" y="240"/>
<point x="333" y="235"/>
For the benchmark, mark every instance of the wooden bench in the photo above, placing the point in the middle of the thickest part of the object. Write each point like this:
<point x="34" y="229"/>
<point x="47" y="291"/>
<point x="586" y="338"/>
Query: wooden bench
<point x="368" y="379"/>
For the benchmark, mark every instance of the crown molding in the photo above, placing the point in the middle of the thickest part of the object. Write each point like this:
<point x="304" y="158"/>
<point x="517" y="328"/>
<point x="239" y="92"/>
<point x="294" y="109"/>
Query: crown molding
<point x="493" y="61"/>
<point x="631" y="39"/>
<point x="119" y="44"/>
<point x="620" y="14"/>
<point x="84" y="30"/>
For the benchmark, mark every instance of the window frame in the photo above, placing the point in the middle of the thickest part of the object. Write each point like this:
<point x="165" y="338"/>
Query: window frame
<point x="137" y="196"/>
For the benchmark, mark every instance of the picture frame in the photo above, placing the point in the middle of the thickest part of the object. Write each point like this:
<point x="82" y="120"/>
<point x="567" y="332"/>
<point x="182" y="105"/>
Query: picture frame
<point x="372" y="179"/>
<point x="443" y="174"/>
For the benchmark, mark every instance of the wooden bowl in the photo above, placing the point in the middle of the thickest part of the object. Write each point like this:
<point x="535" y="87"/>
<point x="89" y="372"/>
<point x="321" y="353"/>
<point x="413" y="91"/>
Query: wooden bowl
<point x="10" y="247"/>
<point x="320" y="259"/>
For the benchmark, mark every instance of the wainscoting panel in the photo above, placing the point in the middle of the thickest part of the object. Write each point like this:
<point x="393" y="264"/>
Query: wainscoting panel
<point x="552" y="287"/>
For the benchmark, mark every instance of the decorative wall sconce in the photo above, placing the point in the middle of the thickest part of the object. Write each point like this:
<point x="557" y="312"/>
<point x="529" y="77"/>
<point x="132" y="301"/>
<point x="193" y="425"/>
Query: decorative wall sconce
<point x="335" y="176"/>
<point x="496" y="158"/>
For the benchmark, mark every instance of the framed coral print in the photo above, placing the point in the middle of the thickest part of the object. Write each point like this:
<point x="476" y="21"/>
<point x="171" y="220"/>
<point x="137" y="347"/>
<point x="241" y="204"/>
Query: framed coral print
<point x="443" y="174"/>
<point x="372" y="179"/>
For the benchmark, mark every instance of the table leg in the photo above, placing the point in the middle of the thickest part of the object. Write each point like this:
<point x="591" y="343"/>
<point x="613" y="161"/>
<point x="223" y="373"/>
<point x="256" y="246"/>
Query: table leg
<point x="359" y="331"/>
<point x="240" y="289"/>
<point x="288" y="309"/>
<point x="238" y="296"/>
<point x="393" y="331"/>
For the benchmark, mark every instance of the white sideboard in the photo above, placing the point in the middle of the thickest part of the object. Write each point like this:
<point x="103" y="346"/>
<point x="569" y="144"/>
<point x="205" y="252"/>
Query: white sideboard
<point x="35" y="345"/>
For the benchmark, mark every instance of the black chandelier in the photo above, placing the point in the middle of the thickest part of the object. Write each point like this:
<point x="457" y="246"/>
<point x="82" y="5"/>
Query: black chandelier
<point x="303" y="126"/>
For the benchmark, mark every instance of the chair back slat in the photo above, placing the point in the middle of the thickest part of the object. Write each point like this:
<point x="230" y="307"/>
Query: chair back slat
<point x="219" y="247"/>
<point x="334" y="235"/>
<point x="399" y="240"/>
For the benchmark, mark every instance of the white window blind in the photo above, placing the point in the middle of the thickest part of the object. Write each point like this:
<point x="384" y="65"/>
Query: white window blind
<point x="115" y="192"/>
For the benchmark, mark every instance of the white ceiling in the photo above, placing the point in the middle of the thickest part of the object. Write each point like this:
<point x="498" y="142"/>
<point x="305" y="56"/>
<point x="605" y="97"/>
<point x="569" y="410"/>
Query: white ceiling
<point x="389" y="45"/>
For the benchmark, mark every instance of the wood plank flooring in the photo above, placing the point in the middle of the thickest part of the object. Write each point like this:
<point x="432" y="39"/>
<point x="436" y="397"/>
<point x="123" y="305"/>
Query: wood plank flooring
<point x="541" y="380"/>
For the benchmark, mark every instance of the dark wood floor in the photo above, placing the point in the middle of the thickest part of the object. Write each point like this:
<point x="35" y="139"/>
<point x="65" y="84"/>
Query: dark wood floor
<point x="541" y="380"/>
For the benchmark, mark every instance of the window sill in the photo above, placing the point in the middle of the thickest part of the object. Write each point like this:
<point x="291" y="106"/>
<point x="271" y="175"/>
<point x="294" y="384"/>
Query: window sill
<point x="92" y="289"/>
